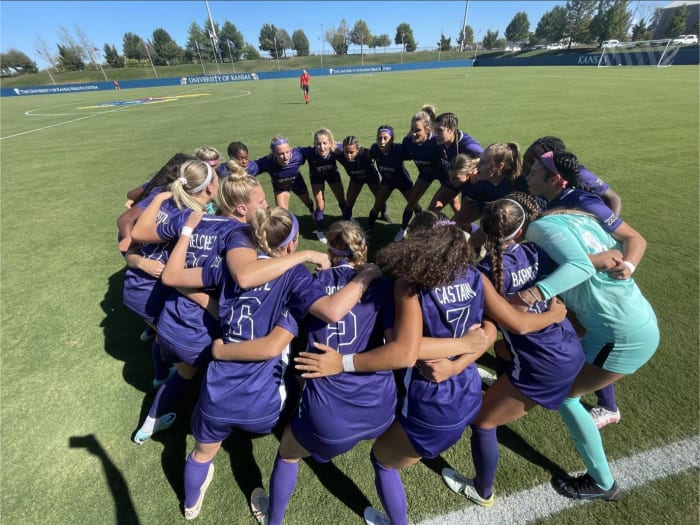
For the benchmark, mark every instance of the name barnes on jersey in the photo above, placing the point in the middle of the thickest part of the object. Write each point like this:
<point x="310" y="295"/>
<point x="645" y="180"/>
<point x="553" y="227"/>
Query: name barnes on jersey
<point x="523" y="276"/>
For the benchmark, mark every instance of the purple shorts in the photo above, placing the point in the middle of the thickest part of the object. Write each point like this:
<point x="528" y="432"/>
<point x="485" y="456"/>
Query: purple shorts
<point x="207" y="430"/>
<point x="172" y="352"/>
<point x="319" y="179"/>
<point x="362" y="405"/>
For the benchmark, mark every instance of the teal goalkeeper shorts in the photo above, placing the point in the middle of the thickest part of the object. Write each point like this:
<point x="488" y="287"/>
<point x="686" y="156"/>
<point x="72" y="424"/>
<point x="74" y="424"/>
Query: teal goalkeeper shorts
<point x="627" y="352"/>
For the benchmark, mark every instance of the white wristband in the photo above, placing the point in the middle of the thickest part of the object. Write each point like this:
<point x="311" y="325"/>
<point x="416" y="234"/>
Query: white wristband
<point x="186" y="231"/>
<point x="348" y="363"/>
<point x="629" y="265"/>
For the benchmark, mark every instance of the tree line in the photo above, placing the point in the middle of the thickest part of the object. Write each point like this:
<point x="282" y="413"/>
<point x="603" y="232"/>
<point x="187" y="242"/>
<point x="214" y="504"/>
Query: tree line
<point x="583" y="22"/>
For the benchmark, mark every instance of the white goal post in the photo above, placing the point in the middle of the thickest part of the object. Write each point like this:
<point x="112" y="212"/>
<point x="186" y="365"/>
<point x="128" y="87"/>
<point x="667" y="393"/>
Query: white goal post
<point x="658" y="53"/>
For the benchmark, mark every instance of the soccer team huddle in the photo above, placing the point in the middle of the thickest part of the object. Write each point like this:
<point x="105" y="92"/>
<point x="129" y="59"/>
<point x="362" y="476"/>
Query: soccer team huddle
<point x="534" y="249"/>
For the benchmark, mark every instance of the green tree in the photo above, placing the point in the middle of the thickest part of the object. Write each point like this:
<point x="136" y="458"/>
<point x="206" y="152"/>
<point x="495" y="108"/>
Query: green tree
<point x="552" y="26"/>
<point x="339" y="38"/>
<point x="166" y="50"/>
<point x="445" y="44"/>
<point x="75" y="54"/>
<point x="132" y="47"/>
<point x="678" y="22"/>
<point x="268" y="40"/>
<point x="611" y="20"/>
<point x="466" y="37"/>
<point x="300" y="44"/>
<point x="284" y="42"/>
<point x="578" y="19"/>
<point x="18" y="62"/>
<point x="70" y="58"/>
<point x="360" y="35"/>
<point x="197" y="43"/>
<point x="250" y="53"/>
<point x="490" y="40"/>
<point x="640" y="31"/>
<point x="518" y="28"/>
<point x="404" y="36"/>
<point x="380" y="41"/>
<point x="229" y="32"/>
<point x="655" y="19"/>
<point x="112" y="56"/>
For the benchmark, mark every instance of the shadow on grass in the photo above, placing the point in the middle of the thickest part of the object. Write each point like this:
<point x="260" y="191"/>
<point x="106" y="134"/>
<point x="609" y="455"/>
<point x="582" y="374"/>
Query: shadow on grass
<point x="124" y="506"/>
<point x="512" y="440"/>
<point x="121" y="328"/>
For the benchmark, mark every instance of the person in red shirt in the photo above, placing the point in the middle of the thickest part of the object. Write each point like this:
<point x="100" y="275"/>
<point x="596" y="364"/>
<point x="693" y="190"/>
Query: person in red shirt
<point x="304" y="84"/>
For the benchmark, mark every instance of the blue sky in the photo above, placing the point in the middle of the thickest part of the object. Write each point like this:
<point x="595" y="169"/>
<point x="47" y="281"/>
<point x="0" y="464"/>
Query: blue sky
<point x="21" y="22"/>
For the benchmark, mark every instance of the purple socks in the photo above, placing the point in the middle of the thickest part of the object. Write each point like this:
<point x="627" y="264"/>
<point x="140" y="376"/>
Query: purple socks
<point x="606" y="397"/>
<point x="391" y="492"/>
<point x="485" y="458"/>
<point x="195" y="474"/>
<point x="166" y="395"/>
<point x="282" y="483"/>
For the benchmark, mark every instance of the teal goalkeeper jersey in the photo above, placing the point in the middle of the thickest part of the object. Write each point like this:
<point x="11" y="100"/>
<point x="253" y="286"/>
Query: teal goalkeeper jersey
<point x="607" y="308"/>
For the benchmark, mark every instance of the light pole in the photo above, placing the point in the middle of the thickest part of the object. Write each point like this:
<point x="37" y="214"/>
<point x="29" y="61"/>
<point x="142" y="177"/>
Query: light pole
<point x="48" y="69"/>
<point x="230" y="53"/>
<point x="362" y="48"/>
<point x="277" y="55"/>
<point x="323" y="40"/>
<point x="476" y="46"/>
<point x="200" y="57"/>
<point x="145" y="45"/>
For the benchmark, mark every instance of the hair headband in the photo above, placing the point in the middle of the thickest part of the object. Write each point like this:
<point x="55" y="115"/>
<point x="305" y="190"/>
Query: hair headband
<point x="340" y="253"/>
<point x="206" y="181"/>
<point x="278" y="142"/>
<point x="548" y="161"/>
<point x="522" y="221"/>
<point x="387" y="131"/>
<point x="437" y="224"/>
<point x="293" y="233"/>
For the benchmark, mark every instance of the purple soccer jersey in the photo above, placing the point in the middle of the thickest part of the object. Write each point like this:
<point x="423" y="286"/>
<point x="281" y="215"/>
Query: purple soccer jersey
<point x="589" y="181"/>
<point x="463" y="143"/>
<point x="284" y="178"/>
<point x="434" y="415"/>
<point x="362" y="404"/>
<point x="251" y="394"/>
<point x="391" y="167"/>
<point x="143" y="293"/>
<point x="361" y="169"/>
<point x="424" y="156"/>
<point x="321" y="169"/>
<point x="573" y="198"/>
<point x="483" y="191"/>
<point x="544" y="363"/>
<point x="185" y="328"/>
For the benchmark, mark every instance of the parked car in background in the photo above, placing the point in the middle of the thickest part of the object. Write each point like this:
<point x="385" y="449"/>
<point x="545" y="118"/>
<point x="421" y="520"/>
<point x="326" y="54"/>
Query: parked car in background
<point x="610" y="43"/>
<point x="555" y="45"/>
<point x="685" y="39"/>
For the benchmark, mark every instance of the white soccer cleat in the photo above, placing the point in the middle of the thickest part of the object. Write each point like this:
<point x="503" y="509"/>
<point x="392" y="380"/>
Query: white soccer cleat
<point x="192" y="512"/>
<point x="321" y="237"/>
<point x="260" y="505"/>
<point x="375" y="517"/>
<point x="461" y="485"/>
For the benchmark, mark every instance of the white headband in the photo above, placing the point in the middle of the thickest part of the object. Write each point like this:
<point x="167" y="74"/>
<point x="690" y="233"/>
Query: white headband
<point x="522" y="221"/>
<point x="206" y="181"/>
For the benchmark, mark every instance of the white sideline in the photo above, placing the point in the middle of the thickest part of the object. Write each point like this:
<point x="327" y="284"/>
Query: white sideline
<point x="542" y="501"/>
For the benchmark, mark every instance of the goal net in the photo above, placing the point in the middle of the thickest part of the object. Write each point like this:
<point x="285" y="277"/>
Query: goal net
<point x="658" y="53"/>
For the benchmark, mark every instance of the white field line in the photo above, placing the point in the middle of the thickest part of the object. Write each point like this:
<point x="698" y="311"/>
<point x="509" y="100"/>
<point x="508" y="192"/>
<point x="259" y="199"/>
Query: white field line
<point x="543" y="501"/>
<point x="91" y="115"/>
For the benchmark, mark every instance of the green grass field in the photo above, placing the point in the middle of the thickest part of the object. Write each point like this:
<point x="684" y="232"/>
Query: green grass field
<point x="72" y="364"/>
